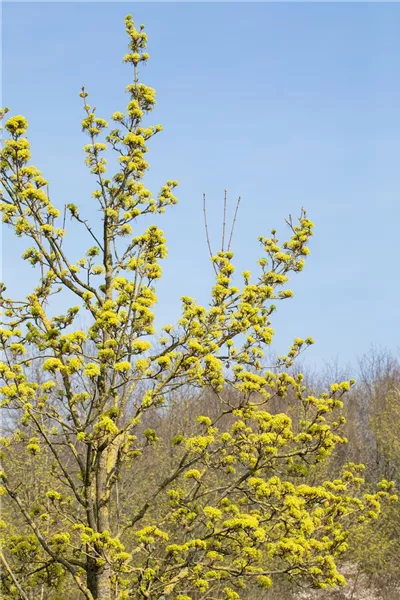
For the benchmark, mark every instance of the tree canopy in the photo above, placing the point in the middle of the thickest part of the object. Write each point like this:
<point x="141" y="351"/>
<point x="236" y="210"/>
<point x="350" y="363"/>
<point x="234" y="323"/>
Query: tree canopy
<point x="232" y="503"/>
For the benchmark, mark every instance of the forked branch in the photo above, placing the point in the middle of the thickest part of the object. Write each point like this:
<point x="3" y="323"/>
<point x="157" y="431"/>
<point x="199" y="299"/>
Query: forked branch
<point x="223" y="226"/>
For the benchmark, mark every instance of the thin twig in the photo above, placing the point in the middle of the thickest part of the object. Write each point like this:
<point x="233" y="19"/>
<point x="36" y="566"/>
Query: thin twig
<point x="233" y="222"/>
<point x="224" y="223"/>
<point x="85" y="223"/>
<point x="207" y="236"/>
<point x="64" y="221"/>
<point x="117" y="506"/>
<point x="355" y="583"/>
<point x="7" y="567"/>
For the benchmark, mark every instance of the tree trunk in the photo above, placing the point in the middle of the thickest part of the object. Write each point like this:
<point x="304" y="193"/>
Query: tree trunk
<point x="91" y="579"/>
<point x="103" y="583"/>
<point x="99" y="580"/>
<point x="103" y="572"/>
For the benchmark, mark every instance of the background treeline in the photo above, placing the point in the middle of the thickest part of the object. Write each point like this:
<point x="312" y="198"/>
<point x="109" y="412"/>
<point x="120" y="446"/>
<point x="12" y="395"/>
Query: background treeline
<point x="372" y="411"/>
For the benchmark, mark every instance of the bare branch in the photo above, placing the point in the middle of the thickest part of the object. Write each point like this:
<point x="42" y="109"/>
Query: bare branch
<point x="224" y="223"/>
<point x="206" y="229"/>
<point x="64" y="221"/>
<point x="233" y="222"/>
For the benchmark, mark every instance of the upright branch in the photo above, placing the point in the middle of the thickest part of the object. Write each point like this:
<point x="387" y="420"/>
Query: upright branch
<point x="233" y="223"/>
<point x="207" y="234"/>
<point x="223" y="226"/>
<point x="224" y="223"/>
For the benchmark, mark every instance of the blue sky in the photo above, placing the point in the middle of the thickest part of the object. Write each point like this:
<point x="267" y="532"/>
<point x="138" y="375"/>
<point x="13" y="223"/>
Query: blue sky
<point x="287" y="105"/>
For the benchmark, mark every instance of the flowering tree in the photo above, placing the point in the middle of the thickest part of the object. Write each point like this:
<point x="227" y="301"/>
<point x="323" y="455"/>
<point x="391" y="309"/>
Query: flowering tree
<point x="231" y="508"/>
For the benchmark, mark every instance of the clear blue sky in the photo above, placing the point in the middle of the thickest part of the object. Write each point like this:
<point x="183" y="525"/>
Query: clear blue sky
<point x="285" y="104"/>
